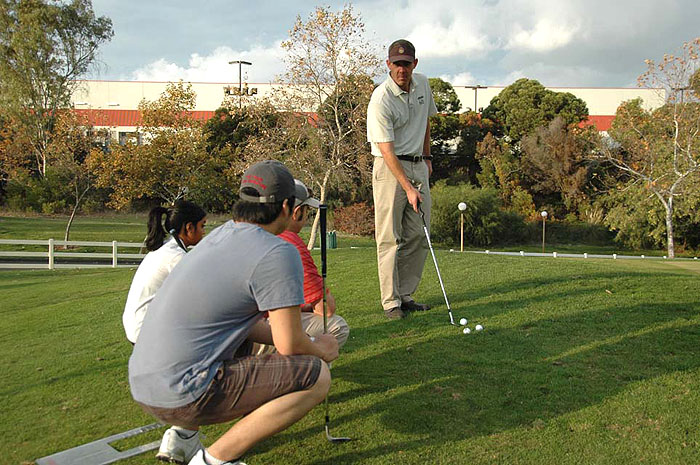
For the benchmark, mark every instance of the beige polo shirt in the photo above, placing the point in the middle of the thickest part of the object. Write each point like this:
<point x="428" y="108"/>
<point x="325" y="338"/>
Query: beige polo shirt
<point x="401" y="117"/>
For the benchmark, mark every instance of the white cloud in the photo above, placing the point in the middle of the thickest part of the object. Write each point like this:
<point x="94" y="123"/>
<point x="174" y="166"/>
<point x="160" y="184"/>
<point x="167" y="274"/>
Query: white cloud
<point x="461" y="79"/>
<point x="215" y="67"/>
<point x="544" y="37"/>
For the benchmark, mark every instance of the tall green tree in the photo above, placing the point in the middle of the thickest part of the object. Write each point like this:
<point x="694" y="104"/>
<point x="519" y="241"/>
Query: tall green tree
<point x="45" y="46"/>
<point x="527" y="105"/>
<point x="518" y="111"/>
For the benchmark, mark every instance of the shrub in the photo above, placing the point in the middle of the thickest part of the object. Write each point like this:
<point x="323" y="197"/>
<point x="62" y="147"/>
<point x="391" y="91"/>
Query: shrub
<point x="485" y="223"/>
<point x="355" y="219"/>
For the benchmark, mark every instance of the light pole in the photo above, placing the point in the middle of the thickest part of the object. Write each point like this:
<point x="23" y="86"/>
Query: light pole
<point x="681" y="90"/>
<point x="476" y="89"/>
<point x="544" y="220"/>
<point x="462" y="206"/>
<point x="240" y="64"/>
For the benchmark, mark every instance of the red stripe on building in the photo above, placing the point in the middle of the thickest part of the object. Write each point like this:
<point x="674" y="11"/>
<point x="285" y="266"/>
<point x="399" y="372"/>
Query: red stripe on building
<point x="601" y="122"/>
<point x="113" y="118"/>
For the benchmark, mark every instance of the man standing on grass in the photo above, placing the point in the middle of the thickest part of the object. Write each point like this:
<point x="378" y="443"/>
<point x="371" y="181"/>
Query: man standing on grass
<point x="399" y="132"/>
<point x="191" y="364"/>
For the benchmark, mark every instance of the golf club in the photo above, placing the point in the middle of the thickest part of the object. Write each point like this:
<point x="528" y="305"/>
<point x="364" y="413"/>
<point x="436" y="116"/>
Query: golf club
<point x="432" y="252"/>
<point x="323" y="209"/>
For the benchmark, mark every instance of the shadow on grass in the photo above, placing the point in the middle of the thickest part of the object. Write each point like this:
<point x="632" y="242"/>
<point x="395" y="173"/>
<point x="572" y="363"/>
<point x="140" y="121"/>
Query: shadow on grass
<point x="436" y="386"/>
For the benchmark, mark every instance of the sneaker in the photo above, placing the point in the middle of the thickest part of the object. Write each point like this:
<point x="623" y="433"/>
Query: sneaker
<point x="413" y="306"/>
<point x="198" y="459"/>
<point x="175" y="449"/>
<point x="394" y="313"/>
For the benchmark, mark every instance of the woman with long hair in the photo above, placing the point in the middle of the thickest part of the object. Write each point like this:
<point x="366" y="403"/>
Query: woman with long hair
<point x="184" y="224"/>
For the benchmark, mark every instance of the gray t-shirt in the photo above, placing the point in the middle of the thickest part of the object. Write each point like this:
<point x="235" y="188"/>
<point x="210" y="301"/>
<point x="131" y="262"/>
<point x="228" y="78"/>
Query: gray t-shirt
<point x="205" y="309"/>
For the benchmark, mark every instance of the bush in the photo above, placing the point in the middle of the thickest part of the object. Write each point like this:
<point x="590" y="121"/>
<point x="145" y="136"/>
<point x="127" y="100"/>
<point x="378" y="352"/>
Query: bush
<point x="485" y="223"/>
<point x="355" y="219"/>
<point x="576" y="232"/>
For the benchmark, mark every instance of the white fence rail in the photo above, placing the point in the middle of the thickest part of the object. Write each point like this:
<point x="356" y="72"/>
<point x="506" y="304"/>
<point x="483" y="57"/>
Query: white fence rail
<point x="574" y="255"/>
<point x="52" y="255"/>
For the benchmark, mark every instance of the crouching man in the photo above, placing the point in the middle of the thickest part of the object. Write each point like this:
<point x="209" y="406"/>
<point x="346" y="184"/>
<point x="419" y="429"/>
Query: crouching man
<point x="192" y="366"/>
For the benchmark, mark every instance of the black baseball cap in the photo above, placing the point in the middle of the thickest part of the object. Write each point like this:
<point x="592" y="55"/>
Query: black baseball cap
<point x="270" y="179"/>
<point x="402" y="50"/>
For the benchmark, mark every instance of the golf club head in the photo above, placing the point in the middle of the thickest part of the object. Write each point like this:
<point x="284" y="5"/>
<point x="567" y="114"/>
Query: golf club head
<point x="335" y="440"/>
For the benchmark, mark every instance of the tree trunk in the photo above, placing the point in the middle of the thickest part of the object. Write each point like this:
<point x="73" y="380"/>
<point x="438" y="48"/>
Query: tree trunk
<point x="317" y="218"/>
<point x="669" y="229"/>
<point x="78" y="201"/>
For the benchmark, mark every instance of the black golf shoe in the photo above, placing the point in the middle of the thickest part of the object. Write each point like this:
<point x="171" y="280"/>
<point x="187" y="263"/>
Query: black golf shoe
<point x="413" y="306"/>
<point x="394" y="313"/>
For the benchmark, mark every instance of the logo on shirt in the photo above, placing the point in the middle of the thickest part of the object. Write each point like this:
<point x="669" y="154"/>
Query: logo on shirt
<point x="421" y="99"/>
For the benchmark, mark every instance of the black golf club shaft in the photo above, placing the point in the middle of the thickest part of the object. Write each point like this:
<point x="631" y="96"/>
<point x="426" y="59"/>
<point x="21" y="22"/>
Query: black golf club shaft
<point x="323" y="210"/>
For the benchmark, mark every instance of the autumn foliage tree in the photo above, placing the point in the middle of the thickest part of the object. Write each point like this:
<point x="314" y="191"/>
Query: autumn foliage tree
<point x="659" y="150"/>
<point x="330" y="67"/>
<point x="171" y="163"/>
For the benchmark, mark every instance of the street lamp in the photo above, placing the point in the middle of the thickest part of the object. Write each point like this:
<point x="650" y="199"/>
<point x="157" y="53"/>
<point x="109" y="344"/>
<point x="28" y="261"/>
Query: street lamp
<point x="681" y="90"/>
<point x="462" y="206"/>
<point x="240" y="63"/>
<point x="544" y="220"/>
<point x="476" y="89"/>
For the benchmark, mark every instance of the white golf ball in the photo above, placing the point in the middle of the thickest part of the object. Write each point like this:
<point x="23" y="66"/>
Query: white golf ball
<point x="478" y="327"/>
<point x="463" y="321"/>
<point x="466" y="330"/>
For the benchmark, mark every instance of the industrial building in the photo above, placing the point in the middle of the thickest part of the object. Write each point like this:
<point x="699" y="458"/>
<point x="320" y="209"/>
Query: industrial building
<point x="114" y="104"/>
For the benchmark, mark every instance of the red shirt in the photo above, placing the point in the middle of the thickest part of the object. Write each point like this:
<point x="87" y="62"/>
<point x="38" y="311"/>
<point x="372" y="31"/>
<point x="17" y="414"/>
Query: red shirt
<point x="313" y="282"/>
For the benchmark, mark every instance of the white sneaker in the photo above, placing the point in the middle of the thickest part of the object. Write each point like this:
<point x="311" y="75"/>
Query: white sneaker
<point x="175" y="449"/>
<point x="198" y="459"/>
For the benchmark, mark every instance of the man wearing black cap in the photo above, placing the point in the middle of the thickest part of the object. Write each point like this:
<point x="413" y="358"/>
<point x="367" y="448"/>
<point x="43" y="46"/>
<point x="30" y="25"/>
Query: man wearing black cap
<point x="398" y="129"/>
<point x="191" y="364"/>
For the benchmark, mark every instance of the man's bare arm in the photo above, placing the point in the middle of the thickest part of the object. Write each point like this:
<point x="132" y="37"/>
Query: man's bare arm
<point x="426" y="149"/>
<point x="290" y="339"/>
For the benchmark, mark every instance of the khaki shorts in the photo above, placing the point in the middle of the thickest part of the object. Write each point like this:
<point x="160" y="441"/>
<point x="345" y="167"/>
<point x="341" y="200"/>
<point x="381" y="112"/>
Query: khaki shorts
<point x="240" y="386"/>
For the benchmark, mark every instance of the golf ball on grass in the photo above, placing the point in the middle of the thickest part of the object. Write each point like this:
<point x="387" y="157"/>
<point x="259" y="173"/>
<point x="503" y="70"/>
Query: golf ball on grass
<point x="479" y="327"/>
<point x="466" y="330"/>
<point x="463" y="321"/>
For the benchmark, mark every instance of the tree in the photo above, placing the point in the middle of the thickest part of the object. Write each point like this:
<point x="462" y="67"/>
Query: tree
<point x="171" y="164"/>
<point x="44" y="47"/>
<point x="500" y="169"/>
<point x="445" y="97"/>
<point x="527" y="105"/>
<point x="68" y="151"/>
<point x="658" y="150"/>
<point x="518" y="111"/>
<point x="228" y="134"/>
<point x="557" y="164"/>
<point x="329" y="71"/>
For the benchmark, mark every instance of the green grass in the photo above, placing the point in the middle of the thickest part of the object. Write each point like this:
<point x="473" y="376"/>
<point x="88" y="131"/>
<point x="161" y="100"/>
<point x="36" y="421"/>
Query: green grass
<point x="581" y="362"/>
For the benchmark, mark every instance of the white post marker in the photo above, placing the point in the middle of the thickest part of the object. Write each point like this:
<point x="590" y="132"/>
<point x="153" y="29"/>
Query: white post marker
<point x="462" y="206"/>
<point x="544" y="220"/>
<point x="51" y="255"/>
<point x="114" y="254"/>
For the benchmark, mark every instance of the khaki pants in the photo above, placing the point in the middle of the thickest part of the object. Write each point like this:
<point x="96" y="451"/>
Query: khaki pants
<point x="401" y="244"/>
<point x="312" y="324"/>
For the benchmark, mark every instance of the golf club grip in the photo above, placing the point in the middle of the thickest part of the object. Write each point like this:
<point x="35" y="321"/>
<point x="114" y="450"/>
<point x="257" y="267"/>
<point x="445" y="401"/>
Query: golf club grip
<point x="323" y="210"/>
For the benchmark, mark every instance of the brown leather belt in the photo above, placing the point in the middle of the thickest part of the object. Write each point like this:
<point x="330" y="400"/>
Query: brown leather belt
<point x="412" y="158"/>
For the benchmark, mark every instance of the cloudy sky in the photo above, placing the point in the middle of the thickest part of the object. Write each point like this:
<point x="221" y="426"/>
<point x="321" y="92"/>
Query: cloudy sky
<point x="561" y="43"/>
